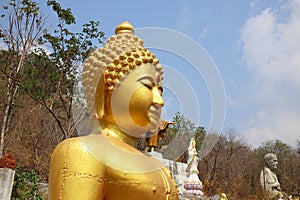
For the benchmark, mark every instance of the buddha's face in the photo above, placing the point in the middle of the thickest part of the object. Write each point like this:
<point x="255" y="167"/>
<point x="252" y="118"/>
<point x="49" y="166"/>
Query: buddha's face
<point x="137" y="101"/>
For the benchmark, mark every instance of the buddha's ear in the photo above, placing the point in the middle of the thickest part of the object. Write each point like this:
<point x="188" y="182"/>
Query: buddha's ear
<point x="100" y="99"/>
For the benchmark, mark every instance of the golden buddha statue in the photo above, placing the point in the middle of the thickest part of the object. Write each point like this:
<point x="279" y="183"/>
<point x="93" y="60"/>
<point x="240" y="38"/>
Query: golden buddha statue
<point x="123" y="88"/>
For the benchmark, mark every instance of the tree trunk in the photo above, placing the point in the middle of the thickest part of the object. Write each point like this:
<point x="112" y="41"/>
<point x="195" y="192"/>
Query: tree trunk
<point x="4" y="128"/>
<point x="7" y="113"/>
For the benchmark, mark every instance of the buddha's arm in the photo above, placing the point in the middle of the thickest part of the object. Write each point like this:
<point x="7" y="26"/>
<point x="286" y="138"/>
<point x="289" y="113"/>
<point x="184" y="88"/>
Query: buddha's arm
<point x="74" y="173"/>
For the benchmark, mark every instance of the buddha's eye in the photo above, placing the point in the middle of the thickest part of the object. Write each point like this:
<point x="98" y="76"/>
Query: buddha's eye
<point x="148" y="85"/>
<point x="148" y="82"/>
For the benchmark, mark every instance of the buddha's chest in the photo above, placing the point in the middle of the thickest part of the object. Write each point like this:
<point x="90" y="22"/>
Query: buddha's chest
<point x="158" y="185"/>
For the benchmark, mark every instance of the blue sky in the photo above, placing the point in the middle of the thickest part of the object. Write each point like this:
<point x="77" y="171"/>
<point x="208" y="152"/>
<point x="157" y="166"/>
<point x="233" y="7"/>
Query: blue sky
<point x="254" y="45"/>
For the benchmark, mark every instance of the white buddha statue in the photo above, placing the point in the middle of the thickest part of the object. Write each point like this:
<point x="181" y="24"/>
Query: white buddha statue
<point x="192" y="184"/>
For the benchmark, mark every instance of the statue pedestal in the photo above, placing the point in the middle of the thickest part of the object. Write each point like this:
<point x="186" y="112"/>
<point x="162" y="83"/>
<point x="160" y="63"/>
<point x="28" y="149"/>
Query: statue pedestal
<point x="6" y="183"/>
<point x="192" y="197"/>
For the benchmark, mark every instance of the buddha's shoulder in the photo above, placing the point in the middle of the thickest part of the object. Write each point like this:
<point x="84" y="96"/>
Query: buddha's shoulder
<point x="75" y="150"/>
<point x="74" y="147"/>
<point x="71" y="157"/>
<point x="70" y="144"/>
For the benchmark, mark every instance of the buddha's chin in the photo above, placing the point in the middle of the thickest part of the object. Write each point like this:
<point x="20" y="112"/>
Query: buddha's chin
<point x="136" y="130"/>
<point x="133" y="128"/>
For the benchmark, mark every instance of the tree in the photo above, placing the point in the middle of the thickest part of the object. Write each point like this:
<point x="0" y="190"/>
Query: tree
<point x="51" y="78"/>
<point x="228" y="167"/>
<point x="275" y="146"/>
<point x="25" y="25"/>
<point x="68" y="52"/>
<point x="45" y="86"/>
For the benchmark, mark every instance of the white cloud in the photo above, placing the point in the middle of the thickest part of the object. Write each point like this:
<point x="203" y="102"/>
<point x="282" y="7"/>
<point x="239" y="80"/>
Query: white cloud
<point x="184" y="15"/>
<point x="203" y="33"/>
<point x="271" y="50"/>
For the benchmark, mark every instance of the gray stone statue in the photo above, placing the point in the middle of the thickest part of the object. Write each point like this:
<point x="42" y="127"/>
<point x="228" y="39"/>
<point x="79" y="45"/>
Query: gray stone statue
<point x="268" y="178"/>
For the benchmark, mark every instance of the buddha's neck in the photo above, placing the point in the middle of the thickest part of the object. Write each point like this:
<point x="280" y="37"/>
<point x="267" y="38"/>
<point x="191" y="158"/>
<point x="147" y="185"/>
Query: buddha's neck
<point x="114" y="131"/>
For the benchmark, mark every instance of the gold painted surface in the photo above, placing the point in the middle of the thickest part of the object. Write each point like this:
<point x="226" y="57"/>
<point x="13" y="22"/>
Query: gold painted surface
<point x="123" y="106"/>
<point x="124" y="27"/>
<point x="77" y="173"/>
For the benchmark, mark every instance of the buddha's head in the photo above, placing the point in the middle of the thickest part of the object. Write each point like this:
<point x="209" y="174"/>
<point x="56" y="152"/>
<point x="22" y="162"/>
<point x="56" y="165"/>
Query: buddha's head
<point x="271" y="161"/>
<point x="123" y="84"/>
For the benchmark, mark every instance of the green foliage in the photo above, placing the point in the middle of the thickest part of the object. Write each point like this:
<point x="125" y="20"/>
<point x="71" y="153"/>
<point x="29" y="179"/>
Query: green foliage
<point x="186" y="127"/>
<point x="274" y="146"/>
<point x="64" y="14"/>
<point x="44" y="75"/>
<point x="40" y="76"/>
<point x="26" y="185"/>
<point x="50" y="75"/>
<point x="68" y="52"/>
<point x="68" y="46"/>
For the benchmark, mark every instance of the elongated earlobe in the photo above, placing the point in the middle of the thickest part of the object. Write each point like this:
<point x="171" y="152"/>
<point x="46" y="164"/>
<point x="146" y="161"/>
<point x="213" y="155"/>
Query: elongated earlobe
<point x="100" y="99"/>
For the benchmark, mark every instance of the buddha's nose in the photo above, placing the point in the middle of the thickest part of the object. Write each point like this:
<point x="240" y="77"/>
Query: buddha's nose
<point x="157" y="98"/>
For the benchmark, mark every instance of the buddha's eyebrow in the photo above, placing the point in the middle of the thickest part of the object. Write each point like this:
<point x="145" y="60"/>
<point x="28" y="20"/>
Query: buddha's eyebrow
<point x="149" y="78"/>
